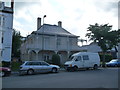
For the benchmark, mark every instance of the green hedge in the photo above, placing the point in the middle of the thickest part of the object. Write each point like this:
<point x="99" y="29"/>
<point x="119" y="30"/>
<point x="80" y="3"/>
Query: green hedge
<point x="108" y="57"/>
<point x="56" y="59"/>
<point x="15" y="66"/>
<point x="6" y="64"/>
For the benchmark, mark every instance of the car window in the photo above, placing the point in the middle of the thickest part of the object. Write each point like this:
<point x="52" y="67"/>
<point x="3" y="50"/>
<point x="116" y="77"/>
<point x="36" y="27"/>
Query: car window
<point x="28" y="63"/>
<point x="43" y="63"/>
<point x="32" y="63"/>
<point x="85" y="57"/>
<point x="36" y="63"/>
<point x="78" y="58"/>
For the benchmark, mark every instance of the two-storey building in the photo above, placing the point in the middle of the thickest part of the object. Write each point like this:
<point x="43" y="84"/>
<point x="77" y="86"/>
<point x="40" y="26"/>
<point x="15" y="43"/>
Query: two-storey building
<point x="49" y="40"/>
<point x="6" y="24"/>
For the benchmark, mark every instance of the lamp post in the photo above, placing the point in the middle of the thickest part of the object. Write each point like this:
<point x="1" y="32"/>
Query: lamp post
<point x="43" y="37"/>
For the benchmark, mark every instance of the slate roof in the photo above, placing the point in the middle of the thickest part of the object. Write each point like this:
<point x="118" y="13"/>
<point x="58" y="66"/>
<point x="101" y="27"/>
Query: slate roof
<point x="54" y="30"/>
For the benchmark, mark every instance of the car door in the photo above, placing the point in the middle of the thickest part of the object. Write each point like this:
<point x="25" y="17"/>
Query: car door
<point x="45" y="67"/>
<point x="78" y="62"/>
<point x="37" y="67"/>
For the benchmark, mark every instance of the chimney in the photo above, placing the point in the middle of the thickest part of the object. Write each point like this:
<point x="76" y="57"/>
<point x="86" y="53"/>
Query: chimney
<point x="38" y="23"/>
<point x="60" y="24"/>
<point x="12" y="4"/>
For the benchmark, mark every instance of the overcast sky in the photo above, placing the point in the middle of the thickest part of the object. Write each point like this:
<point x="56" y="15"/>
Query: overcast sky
<point x="76" y="15"/>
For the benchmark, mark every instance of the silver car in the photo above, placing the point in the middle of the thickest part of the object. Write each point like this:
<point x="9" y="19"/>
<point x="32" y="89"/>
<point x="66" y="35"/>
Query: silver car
<point x="32" y="67"/>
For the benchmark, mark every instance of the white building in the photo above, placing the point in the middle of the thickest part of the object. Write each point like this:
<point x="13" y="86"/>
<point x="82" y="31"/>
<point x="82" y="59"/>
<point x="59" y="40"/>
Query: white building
<point x="48" y="40"/>
<point x="93" y="47"/>
<point x="6" y="24"/>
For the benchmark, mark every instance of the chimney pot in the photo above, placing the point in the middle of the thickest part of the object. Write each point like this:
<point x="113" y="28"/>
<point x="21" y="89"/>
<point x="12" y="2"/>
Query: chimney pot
<point x="38" y="23"/>
<point x="60" y="24"/>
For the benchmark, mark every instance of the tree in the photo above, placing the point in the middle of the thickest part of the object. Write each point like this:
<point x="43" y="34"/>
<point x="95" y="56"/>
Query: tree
<point x="16" y="43"/>
<point x="103" y="36"/>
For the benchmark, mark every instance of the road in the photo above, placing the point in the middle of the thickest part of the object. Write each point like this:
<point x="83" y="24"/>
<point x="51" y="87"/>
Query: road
<point x="101" y="78"/>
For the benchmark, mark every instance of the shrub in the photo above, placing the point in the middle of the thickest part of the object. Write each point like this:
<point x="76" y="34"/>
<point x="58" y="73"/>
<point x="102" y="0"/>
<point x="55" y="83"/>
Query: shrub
<point x="15" y="66"/>
<point x="108" y="57"/>
<point x="56" y="59"/>
<point x="6" y="64"/>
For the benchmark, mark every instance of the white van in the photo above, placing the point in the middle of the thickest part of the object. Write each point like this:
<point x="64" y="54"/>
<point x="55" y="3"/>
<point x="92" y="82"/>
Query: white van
<point x="82" y="60"/>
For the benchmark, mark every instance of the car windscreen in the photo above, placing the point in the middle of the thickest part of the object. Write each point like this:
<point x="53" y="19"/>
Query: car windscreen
<point x="113" y="60"/>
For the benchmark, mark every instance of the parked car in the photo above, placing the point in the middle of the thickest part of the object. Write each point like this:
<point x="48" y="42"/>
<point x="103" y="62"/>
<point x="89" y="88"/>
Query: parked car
<point x="5" y="71"/>
<point x="32" y="67"/>
<point x="113" y="63"/>
<point x="83" y="60"/>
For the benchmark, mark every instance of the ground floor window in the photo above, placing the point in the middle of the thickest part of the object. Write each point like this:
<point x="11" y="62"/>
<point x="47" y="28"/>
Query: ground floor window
<point x="46" y="57"/>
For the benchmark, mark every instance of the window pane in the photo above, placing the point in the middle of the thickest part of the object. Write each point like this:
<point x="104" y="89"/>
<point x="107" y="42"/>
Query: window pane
<point x="85" y="57"/>
<point x="79" y="58"/>
<point x="0" y="21"/>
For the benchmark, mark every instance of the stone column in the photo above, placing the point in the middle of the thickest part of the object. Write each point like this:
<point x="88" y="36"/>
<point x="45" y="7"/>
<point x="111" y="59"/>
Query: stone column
<point x="37" y="52"/>
<point x="28" y="55"/>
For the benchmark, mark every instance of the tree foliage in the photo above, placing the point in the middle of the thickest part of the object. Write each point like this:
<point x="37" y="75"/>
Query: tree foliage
<point x="16" y="43"/>
<point x="104" y="36"/>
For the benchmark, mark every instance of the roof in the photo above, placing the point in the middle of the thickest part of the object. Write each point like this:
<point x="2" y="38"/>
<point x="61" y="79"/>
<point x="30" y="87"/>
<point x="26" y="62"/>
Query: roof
<point x="84" y="53"/>
<point x="54" y="30"/>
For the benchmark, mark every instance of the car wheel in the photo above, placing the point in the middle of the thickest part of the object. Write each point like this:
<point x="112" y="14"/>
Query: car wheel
<point x="75" y="68"/>
<point x="30" y="72"/>
<point x="116" y="65"/>
<point x="95" y="67"/>
<point x="54" y="70"/>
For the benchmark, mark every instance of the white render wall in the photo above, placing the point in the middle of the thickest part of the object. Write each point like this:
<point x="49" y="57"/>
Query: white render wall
<point x="6" y="29"/>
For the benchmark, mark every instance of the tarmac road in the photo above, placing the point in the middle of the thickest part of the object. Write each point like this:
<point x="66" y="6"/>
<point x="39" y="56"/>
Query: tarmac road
<point x="101" y="78"/>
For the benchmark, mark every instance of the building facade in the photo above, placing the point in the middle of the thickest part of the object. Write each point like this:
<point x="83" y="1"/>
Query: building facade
<point x="6" y="28"/>
<point x="49" y="40"/>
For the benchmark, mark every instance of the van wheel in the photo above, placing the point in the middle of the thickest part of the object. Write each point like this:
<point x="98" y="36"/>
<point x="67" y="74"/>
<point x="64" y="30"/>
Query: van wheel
<point x="95" y="67"/>
<point x="75" y="68"/>
<point x="2" y="74"/>
<point x="30" y="71"/>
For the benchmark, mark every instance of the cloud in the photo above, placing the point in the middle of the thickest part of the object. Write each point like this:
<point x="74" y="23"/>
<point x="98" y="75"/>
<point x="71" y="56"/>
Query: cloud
<point x="76" y="15"/>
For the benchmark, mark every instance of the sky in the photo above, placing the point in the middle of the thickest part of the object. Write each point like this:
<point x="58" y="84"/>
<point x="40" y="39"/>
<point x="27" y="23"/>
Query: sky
<point x="76" y="15"/>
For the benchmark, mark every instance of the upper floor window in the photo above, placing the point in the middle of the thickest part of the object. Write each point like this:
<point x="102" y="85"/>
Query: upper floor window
<point x="58" y="41"/>
<point x="2" y="21"/>
<point x="71" y="41"/>
<point x="1" y="41"/>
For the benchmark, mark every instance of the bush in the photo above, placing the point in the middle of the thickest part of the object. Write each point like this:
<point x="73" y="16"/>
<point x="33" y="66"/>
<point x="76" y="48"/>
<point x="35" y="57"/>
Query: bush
<point x="15" y="66"/>
<point x="6" y="64"/>
<point x="108" y="57"/>
<point x="56" y="59"/>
